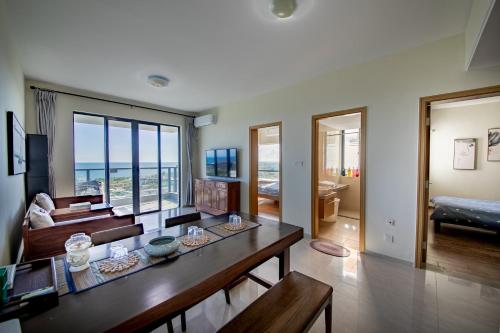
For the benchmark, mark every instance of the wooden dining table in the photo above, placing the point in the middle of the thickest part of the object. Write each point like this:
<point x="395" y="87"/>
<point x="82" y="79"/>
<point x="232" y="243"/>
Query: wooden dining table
<point x="144" y="300"/>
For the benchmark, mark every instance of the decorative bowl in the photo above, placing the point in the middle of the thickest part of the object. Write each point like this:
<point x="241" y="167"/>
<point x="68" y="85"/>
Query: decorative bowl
<point x="77" y="252"/>
<point x="162" y="246"/>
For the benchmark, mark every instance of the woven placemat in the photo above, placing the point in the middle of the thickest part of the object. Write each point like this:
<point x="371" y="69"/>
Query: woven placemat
<point x="62" y="282"/>
<point x="183" y="249"/>
<point x="223" y="232"/>
<point x="69" y="282"/>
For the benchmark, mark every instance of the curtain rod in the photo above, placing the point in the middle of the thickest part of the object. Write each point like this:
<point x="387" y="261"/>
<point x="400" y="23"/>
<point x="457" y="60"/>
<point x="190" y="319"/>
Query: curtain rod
<point x="111" y="101"/>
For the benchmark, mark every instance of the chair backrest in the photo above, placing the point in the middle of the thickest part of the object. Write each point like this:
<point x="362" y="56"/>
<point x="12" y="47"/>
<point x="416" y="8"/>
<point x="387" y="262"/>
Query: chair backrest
<point x="181" y="219"/>
<point x="115" y="234"/>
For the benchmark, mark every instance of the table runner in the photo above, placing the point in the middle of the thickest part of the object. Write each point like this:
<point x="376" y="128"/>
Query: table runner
<point x="69" y="282"/>
<point x="223" y="232"/>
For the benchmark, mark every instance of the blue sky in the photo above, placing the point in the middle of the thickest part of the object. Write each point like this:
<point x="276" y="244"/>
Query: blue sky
<point x="89" y="144"/>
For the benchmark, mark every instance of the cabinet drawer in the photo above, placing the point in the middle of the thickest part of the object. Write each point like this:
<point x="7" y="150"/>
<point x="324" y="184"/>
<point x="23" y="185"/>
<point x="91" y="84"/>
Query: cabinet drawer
<point x="210" y="185"/>
<point x="221" y="185"/>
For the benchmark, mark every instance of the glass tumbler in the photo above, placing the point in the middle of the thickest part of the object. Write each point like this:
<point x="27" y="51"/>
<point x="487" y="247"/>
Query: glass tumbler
<point x="237" y="221"/>
<point x="118" y="251"/>
<point x="199" y="234"/>
<point x="192" y="232"/>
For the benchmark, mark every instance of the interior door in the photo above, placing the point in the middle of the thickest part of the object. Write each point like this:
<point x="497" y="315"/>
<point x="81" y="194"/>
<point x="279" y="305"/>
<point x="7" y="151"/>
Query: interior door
<point x="149" y="167"/>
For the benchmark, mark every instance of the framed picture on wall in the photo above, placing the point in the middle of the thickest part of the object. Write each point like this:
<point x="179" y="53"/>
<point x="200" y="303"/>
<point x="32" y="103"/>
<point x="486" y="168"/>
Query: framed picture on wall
<point x="464" y="156"/>
<point x="494" y="144"/>
<point x="16" y="142"/>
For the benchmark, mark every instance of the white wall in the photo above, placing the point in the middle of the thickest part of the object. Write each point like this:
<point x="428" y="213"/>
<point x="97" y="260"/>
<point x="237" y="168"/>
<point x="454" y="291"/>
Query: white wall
<point x="65" y="105"/>
<point x="456" y="123"/>
<point x="390" y="87"/>
<point x="11" y="187"/>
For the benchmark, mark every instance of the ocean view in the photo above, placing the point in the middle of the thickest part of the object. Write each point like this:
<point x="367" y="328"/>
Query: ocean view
<point x="116" y="170"/>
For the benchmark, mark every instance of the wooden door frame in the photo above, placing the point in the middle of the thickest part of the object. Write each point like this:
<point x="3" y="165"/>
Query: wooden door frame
<point x="362" y="169"/>
<point x="423" y="159"/>
<point x="254" y="157"/>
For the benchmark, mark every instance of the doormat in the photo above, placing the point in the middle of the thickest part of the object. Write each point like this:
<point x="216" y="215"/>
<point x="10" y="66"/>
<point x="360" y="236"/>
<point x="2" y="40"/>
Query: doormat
<point x="330" y="248"/>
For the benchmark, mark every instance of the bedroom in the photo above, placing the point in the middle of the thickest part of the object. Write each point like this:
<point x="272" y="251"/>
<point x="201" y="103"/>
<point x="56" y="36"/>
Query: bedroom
<point x="464" y="173"/>
<point x="266" y="183"/>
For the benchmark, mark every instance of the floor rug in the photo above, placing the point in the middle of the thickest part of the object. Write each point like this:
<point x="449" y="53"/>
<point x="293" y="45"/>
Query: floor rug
<point x="330" y="248"/>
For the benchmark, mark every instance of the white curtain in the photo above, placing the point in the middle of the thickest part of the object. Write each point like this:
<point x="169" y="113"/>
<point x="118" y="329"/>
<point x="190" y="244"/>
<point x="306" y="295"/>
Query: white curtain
<point x="190" y="141"/>
<point x="45" y="105"/>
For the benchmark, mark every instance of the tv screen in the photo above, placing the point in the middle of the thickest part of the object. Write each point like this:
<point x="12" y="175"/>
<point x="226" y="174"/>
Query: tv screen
<point x="233" y="163"/>
<point x="210" y="163"/>
<point x="222" y="162"/>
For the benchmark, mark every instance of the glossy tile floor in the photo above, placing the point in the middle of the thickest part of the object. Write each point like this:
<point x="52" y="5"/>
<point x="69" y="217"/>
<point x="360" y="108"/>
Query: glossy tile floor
<point x="343" y="231"/>
<point x="371" y="294"/>
<point x="153" y="221"/>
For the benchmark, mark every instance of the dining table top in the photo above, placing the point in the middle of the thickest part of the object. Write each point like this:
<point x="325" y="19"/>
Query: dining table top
<point x="145" y="299"/>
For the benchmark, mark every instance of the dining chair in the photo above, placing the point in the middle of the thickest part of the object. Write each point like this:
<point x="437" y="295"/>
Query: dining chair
<point x="181" y="219"/>
<point x="115" y="234"/>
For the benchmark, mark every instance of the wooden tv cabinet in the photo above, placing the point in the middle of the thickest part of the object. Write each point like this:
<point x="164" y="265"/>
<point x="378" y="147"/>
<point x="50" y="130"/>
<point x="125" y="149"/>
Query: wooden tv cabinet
<point x="216" y="196"/>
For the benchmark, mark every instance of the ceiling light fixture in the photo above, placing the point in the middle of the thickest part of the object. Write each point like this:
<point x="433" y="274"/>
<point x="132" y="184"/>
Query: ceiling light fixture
<point x="283" y="8"/>
<point x="158" y="81"/>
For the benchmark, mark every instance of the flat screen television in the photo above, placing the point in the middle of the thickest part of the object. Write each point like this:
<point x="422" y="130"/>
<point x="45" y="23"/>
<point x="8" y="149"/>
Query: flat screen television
<point x="222" y="162"/>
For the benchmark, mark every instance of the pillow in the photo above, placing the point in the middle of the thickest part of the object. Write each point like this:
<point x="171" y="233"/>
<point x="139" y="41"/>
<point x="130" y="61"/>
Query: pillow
<point x="44" y="201"/>
<point x="40" y="218"/>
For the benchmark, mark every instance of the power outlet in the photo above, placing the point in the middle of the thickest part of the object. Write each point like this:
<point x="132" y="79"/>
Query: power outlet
<point x="389" y="238"/>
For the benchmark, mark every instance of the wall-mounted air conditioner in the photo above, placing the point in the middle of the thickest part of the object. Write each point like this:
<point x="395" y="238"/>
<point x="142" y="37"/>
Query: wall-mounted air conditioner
<point x="209" y="119"/>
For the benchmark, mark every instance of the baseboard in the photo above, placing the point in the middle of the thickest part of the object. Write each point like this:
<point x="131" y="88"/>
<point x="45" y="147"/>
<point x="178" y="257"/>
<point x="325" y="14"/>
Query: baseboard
<point x="380" y="255"/>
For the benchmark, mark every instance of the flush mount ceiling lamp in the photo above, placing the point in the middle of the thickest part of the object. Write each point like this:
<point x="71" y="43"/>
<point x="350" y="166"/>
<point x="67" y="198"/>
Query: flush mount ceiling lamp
<point x="283" y="8"/>
<point x="158" y="81"/>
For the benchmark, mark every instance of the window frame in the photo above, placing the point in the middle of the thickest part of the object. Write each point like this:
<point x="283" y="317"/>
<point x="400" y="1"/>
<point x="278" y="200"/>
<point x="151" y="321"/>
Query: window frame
<point x="342" y="143"/>
<point x="135" y="153"/>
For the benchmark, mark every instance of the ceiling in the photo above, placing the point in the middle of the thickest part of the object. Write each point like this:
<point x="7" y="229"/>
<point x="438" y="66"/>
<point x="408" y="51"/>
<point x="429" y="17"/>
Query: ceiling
<point x="487" y="52"/>
<point x="218" y="51"/>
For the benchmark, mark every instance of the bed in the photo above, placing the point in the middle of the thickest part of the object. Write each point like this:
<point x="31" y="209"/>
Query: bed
<point x="269" y="189"/>
<point x="463" y="211"/>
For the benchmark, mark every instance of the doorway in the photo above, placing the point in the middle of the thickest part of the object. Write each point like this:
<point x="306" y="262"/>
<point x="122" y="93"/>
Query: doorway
<point x="265" y="191"/>
<point x="338" y="178"/>
<point x="449" y="240"/>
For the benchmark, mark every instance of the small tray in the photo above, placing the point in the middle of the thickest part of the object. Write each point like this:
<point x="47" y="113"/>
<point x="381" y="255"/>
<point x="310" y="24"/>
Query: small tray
<point x="31" y="276"/>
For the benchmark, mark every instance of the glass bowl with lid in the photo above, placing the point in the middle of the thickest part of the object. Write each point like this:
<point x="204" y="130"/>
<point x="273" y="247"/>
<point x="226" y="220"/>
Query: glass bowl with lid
<point x="77" y="252"/>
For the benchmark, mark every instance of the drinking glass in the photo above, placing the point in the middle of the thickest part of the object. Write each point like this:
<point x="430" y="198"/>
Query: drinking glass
<point x="199" y="234"/>
<point x="237" y="221"/>
<point x="231" y="218"/>
<point x="118" y="251"/>
<point x="192" y="232"/>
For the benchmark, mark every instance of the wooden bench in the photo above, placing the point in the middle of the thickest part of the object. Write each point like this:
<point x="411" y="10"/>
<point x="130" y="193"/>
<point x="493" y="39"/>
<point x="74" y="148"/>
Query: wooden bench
<point x="291" y="305"/>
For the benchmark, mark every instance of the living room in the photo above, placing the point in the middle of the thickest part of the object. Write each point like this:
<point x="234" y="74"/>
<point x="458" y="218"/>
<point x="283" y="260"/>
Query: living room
<point x="146" y="114"/>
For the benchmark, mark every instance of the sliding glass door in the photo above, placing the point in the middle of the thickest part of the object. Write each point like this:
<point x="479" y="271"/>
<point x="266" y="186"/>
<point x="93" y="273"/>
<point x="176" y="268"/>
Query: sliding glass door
<point x="136" y="165"/>
<point x="170" y="172"/>
<point x="120" y="164"/>
<point x="149" y="168"/>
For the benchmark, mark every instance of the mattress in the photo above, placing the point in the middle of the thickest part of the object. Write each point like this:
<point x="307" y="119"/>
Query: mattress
<point x="464" y="211"/>
<point x="270" y="188"/>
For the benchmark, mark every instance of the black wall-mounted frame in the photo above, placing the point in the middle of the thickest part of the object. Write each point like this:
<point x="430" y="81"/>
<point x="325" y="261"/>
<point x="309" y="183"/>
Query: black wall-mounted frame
<point x="135" y="159"/>
<point x="16" y="164"/>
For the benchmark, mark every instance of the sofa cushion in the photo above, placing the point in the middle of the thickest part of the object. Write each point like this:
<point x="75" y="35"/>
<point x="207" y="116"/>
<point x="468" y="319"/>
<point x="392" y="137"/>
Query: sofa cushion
<point x="39" y="217"/>
<point x="43" y="200"/>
